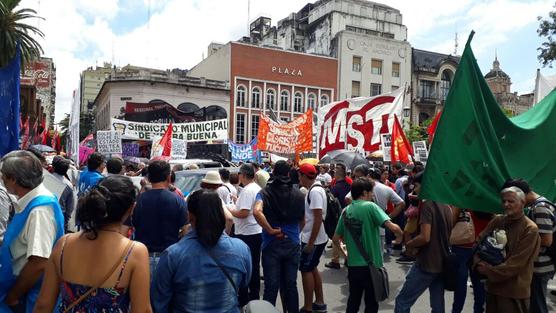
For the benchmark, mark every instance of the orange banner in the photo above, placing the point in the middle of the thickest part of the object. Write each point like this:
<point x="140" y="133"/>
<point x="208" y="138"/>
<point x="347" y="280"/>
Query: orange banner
<point x="290" y="138"/>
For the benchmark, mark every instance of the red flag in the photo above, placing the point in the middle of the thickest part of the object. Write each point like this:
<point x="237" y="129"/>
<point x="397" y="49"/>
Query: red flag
<point x="58" y="141"/>
<point x="25" y="139"/>
<point x="43" y="123"/>
<point x="166" y="141"/>
<point x="44" y="136"/>
<point x="432" y="127"/>
<point x="55" y="141"/>
<point x="401" y="149"/>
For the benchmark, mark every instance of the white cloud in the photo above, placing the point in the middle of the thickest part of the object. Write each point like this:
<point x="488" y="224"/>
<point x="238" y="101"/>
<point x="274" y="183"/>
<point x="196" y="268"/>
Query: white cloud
<point x="78" y="32"/>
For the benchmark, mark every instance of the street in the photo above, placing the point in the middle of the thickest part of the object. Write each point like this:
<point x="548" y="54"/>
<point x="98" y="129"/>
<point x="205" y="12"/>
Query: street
<point x="336" y="289"/>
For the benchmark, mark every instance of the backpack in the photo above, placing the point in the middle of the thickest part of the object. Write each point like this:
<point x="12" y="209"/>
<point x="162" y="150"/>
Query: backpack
<point x="333" y="211"/>
<point x="550" y="251"/>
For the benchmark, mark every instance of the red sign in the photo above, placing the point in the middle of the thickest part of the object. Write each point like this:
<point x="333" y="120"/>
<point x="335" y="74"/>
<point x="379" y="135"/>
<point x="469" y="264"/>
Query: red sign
<point x="290" y="138"/>
<point x="38" y="73"/>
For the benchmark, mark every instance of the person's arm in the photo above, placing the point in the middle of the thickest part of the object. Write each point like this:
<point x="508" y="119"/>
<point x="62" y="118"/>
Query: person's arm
<point x="396" y="230"/>
<point x="241" y="211"/>
<point x="317" y="221"/>
<point x="27" y="278"/>
<point x="262" y="221"/>
<point x="398" y="202"/>
<point x="139" y="291"/>
<point x="423" y="238"/>
<point x="50" y="287"/>
<point x="544" y="218"/>
<point x="527" y="247"/>
<point x="162" y="290"/>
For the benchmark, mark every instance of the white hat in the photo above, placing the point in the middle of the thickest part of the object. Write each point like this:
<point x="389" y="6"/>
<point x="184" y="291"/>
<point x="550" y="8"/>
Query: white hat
<point x="213" y="178"/>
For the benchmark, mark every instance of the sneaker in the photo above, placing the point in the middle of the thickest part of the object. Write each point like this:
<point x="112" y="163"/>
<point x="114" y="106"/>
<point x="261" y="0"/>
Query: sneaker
<point x="333" y="265"/>
<point x="319" y="308"/>
<point x="404" y="259"/>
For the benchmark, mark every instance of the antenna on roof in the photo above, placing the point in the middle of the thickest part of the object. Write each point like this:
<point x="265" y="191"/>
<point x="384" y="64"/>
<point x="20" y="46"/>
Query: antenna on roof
<point x="248" y="16"/>
<point x="456" y="44"/>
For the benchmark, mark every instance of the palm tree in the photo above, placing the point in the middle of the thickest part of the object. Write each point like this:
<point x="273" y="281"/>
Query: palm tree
<point x="14" y="29"/>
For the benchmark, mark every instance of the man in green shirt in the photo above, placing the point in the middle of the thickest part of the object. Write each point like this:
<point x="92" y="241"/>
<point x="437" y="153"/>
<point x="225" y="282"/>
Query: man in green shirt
<point x="365" y="218"/>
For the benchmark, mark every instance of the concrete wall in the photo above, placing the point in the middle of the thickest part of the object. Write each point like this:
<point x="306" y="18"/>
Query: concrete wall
<point x="216" y="66"/>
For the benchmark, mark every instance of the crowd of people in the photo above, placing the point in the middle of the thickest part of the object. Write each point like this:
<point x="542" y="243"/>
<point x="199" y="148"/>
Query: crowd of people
<point x="90" y="240"/>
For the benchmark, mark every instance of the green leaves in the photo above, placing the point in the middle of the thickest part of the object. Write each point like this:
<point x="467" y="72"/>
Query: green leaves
<point x="14" y="28"/>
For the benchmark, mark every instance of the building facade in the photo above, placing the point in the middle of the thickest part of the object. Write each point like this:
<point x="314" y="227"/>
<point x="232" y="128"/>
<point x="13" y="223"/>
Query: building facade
<point x="282" y="84"/>
<point x="183" y="93"/>
<point x="500" y="84"/>
<point x="38" y="83"/>
<point x="91" y="81"/>
<point x="432" y="77"/>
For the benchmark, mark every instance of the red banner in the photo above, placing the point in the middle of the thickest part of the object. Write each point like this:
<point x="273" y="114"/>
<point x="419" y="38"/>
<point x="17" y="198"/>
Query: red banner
<point x="356" y="124"/>
<point x="290" y="138"/>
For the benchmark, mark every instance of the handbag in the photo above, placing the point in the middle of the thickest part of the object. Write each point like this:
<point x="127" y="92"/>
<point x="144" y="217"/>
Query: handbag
<point x="464" y="230"/>
<point x="450" y="260"/>
<point x="93" y="289"/>
<point x="379" y="275"/>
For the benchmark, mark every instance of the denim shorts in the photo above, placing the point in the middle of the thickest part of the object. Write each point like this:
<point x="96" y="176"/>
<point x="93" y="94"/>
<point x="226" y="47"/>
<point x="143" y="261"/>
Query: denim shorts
<point x="309" y="261"/>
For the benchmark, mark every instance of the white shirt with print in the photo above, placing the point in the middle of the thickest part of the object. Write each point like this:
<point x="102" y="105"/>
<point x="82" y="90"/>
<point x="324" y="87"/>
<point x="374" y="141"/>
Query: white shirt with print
<point x="246" y="201"/>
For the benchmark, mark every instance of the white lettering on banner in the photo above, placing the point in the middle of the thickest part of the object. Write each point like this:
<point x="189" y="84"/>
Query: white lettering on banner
<point x="356" y="124"/>
<point x="109" y="141"/>
<point x="190" y="132"/>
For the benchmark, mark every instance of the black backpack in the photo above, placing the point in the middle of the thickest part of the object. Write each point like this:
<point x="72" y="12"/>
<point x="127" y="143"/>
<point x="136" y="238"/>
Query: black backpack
<point x="333" y="211"/>
<point x="550" y="251"/>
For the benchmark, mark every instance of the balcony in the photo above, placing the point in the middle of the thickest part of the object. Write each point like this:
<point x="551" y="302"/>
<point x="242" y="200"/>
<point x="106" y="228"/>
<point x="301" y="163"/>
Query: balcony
<point x="429" y="100"/>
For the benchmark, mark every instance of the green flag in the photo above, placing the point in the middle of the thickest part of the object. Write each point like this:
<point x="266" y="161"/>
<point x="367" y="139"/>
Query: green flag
<point x="476" y="147"/>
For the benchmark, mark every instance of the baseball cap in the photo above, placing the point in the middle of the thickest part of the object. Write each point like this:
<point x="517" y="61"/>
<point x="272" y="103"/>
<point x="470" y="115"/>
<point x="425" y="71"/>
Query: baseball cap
<point x="308" y="170"/>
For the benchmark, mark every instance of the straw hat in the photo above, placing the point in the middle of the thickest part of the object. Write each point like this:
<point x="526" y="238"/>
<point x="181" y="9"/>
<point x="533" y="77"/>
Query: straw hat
<point x="213" y="178"/>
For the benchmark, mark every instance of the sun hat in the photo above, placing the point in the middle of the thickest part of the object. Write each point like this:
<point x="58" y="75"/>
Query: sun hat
<point x="213" y="178"/>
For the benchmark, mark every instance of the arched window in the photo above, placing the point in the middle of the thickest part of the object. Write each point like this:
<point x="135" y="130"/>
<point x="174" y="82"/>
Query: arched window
<point x="284" y="100"/>
<point x="256" y="97"/>
<point x="271" y="99"/>
<point x="311" y="101"/>
<point x="240" y="96"/>
<point x="445" y="83"/>
<point x="323" y="100"/>
<point x="298" y="102"/>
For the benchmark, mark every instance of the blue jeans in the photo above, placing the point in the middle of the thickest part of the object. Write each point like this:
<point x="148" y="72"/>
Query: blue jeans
<point x="539" y="292"/>
<point x="464" y="255"/>
<point x="416" y="282"/>
<point x="153" y="262"/>
<point x="280" y="260"/>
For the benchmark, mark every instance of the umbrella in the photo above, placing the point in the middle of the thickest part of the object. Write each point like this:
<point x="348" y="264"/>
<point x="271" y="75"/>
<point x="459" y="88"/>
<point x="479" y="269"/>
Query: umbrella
<point x="328" y="158"/>
<point x="350" y="159"/>
<point x="43" y="148"/>
<point x="311" y="161"/>
<point x="130" y="159"/>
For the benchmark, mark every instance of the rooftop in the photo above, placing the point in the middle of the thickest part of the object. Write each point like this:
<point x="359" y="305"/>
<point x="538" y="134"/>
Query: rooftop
<point x="431" y="61"/>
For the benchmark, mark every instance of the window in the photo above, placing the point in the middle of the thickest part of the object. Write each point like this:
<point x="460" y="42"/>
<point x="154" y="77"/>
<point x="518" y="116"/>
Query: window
<point x="271" y="99"/>
<point x="240" y="128"/>
<point x="285" y="119"/>
<point x="356" y="65"/>
<point x="355" y="86"/>
<point x="311" y="101"/>
<point x="323" y="100"/>
<point x="298" y="102"/>
<point x="376" y="89"/>
<point x="240" y="96"/>
<point x="445" y="83"/>
<point x="284" y="100"/>
<point x="427" y="90"/>
<point x="394" y="87"/>
<point x="254" y="126"/>
<point x="395" y="69"/>
<point x="256" y="97"/>
<point x="376" y="67"/>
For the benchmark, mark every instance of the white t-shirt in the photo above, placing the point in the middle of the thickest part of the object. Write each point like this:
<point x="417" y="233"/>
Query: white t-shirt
<point x="324" y="179"/>
<point x="38" y="234"/>
<point x="318" y="202"/>
<point x="246" y="201"/>
<point x="384" y="194"/>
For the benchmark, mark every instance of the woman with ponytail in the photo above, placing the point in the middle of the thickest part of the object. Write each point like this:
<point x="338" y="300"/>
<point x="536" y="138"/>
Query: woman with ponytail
<point x="203" y="271"/>
<point x="98" y="269"/>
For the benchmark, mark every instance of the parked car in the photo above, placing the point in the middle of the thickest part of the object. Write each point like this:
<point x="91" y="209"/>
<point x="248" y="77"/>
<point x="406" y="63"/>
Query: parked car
<point x="190" y="180"/>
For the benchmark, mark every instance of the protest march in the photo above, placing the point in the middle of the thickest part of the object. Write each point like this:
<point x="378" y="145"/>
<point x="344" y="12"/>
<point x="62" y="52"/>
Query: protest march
<point x="324" y="164"/>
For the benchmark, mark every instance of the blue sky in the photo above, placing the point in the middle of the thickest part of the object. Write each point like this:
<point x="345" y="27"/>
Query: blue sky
<point x="175" y="33"/>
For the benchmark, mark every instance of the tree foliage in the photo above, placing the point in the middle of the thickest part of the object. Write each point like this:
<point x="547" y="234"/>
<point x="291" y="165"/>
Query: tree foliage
<point x="547" y="29"/>
<point x="418" y="132"/>
<point x="14" y="29"/>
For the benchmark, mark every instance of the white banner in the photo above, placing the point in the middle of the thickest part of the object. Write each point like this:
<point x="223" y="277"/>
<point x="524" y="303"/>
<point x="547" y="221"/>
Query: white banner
<point x="386" y="140"/>
<point x="73" y="130"/>
<point x="190" y="132"/>
<point x="420" y="151"/>
<point x="109" y="141"/>
<point x="356" y="124"/>
<point x="179" y="149"/>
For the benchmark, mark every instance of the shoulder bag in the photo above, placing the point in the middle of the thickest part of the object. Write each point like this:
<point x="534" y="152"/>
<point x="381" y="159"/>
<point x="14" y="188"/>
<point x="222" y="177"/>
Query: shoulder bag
<point x="93" y="289"/>
<point x="224" y="271"/>
<point x="450" y="260"/>
<point x="379" y="275"/>
<point x="464" y="230"/>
